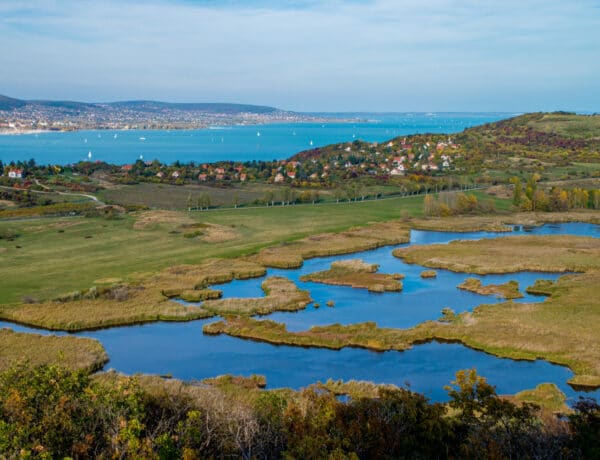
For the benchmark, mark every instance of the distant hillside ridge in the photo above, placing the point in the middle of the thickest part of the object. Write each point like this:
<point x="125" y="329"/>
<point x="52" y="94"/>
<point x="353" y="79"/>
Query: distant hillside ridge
<point x="8" y="103"/>
<point x="207" y="107"/>
<point x="538" y="135"/>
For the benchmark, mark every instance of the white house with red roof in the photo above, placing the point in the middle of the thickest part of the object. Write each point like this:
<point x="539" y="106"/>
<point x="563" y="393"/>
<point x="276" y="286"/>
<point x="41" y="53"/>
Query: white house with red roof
<point x="15" y="174"/>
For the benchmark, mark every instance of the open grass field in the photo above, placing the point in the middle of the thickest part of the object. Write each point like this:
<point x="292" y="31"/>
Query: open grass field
<point x="52" y="256"/>
<point x="167" y="196"/>
<point x="175" y="197"/>
<point x="569" y="125"/>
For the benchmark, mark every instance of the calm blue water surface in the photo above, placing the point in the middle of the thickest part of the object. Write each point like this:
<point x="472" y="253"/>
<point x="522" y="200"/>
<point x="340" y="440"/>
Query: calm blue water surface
<point x="420" y="299"/>
<point x="181" y="349"/>
<point x="239" y="143"/>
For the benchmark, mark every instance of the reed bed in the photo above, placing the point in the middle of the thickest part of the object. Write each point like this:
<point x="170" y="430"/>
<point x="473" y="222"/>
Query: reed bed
<point x="357" y="274"/>
<point x="292" y="255"/>
<point x="508" y="290"/>
<point x="36" y="349"/>
<point x="281" y="295"/>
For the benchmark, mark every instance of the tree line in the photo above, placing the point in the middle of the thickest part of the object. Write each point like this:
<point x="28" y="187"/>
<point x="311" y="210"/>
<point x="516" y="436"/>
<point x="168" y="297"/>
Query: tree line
<point x="51" y="412"/>
<point x="530" y="197"/>
<point x="455" y="203"/>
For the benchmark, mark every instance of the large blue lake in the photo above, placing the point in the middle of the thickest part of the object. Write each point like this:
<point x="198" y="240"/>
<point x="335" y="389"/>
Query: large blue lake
<point x="181" y="349"/>
<point x="239" y="143"/>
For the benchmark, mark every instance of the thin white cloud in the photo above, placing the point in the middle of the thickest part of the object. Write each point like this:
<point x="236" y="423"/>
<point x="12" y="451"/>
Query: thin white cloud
<point x="380" y="55"/>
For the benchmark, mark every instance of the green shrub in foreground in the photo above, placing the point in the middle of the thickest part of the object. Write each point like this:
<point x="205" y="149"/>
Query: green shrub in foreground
<point x="50" y="412"/>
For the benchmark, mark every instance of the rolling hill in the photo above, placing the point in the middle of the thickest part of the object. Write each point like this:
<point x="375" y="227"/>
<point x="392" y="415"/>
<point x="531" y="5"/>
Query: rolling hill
<point x="149" y="107"/>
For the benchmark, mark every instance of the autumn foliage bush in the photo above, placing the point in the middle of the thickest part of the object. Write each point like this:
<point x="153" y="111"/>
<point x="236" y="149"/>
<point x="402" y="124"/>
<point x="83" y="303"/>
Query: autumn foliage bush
<point x="50" y="412"/>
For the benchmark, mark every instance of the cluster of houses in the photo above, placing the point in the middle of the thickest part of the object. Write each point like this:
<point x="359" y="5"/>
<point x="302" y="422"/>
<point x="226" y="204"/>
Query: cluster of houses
<point x="406" y="158"/>
<point x="287" y="169"/>
<point x="14" y="173"/>
<point x="353" y="160"/>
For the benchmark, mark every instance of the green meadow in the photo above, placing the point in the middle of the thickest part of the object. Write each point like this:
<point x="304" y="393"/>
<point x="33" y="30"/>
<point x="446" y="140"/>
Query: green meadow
<point x="51" y="256"/>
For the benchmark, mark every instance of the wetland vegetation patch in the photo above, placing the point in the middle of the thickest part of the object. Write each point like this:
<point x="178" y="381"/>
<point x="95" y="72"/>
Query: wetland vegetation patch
<point x="35" y="349"/>
<point x="549" y="253"/>
<point x="281" y="294"/>
<point x="542" y="330"/>
<point x="357" y="274"/>
<point x="508" y="290"/>
<point x="292" y="255"/>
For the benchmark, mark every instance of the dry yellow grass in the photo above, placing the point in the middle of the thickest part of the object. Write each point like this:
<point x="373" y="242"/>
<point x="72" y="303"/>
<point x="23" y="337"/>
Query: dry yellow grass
<point x="362" y="335"/>
<point x="546" y="395"/>
<point x="211" y="271"/>
<point x="357" y="274"/>
<point x="253" y="381"/>
<point x="292" y="255"/>
<point x="218" y="234"/>
<point x="500" y="191"/>
<point x="147" y="218"/>
<point x="75" y="315"/>
<point x="509" y="254"/>
<point x="354" y="265"/>
<point x="501" y="223"/>
<point x="563" y="329"/>
<point x="508" y="290"/>
<point x="142" y="301"/>
<point x="6" y="204"/>
<point x="281" y="295"/>
<point x="356" y="389"/>
<point x="35" y="349"/>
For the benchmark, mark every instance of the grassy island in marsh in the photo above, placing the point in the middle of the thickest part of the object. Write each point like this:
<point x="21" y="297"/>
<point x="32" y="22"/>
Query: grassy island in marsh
<point x="336" y="336"/>
<point x="508" y="290"/>
<point x="357" y="274"/>
<point x="281" y="294"/>
<point x="556" y="253"/>
<point x="35" y="349"/>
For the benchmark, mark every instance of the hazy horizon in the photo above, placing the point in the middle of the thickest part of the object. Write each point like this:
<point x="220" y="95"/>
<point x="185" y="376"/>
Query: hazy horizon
<point x="307" y="55"/>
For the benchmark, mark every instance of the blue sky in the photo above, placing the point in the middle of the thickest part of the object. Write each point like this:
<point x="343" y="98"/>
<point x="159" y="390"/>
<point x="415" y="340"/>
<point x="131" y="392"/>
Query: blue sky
<point x="372" y="55"/>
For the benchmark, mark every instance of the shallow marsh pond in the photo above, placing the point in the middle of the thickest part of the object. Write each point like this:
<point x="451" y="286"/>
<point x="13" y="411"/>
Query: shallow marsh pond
<point x="183" y="351"/>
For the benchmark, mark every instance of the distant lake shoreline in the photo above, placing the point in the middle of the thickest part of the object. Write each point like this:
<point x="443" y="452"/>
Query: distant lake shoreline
<point x="229" y="142"/>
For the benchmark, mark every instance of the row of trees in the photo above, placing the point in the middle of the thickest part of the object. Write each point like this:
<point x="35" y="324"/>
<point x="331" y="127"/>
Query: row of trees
<point x="530" y="197"/>
<point x="49" y="412"/>
<point x="454" y="203"/>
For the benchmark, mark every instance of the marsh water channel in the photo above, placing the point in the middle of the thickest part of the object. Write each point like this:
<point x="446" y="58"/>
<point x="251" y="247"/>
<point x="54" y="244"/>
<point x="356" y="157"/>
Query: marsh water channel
<point x="183" y="351"/>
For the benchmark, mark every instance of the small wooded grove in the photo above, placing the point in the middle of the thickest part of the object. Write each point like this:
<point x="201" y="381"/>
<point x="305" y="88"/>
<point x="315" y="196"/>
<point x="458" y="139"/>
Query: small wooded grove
<point x="530" y="197"/>
<point x="51" y="412"/>
<point x="455" y="203"/>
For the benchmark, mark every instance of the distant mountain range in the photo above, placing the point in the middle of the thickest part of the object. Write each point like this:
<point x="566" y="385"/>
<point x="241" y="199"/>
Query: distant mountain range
<point x="149" y="107"/>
